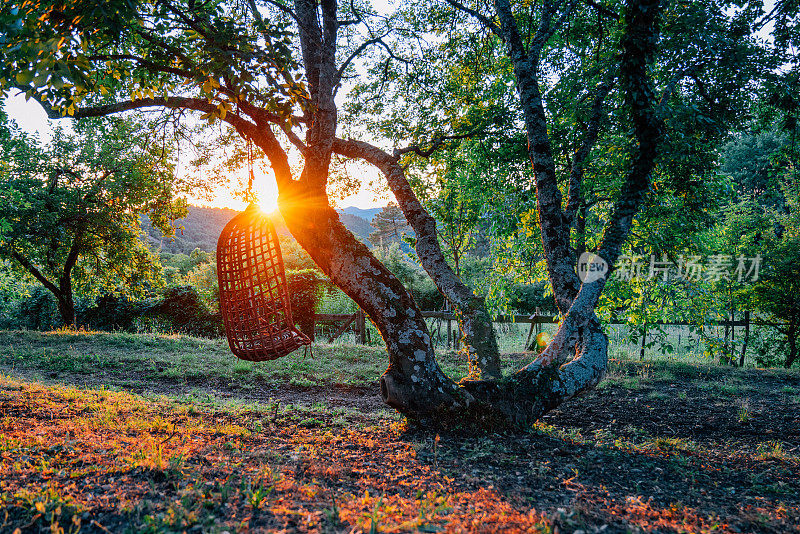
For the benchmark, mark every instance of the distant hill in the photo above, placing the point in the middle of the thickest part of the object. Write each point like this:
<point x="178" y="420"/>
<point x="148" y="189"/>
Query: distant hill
<point x="358" y="225"/>
<point x="366" y="214"/>
<point x="201" y="228"/>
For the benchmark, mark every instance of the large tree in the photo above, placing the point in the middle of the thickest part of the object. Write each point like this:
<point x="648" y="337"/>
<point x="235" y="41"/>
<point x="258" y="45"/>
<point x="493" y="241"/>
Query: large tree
<point x="71" y="207"/>
<point x="389" y="224"/>
<point x="272" y="72"/>
<point x="268" y="71"/>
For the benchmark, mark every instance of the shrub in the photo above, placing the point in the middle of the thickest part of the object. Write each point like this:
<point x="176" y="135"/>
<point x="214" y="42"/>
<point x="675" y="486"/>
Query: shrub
<point x="113" y="312"/>
<point x="306" y="287"/>
<point x="183" y="309"/>
<point x="39" y="311"/>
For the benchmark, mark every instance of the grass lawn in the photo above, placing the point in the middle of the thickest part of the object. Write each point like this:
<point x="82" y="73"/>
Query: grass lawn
<point x="105" y="432"/>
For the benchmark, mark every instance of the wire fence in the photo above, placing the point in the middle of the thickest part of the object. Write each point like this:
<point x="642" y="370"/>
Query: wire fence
<point x="728" y="341"/>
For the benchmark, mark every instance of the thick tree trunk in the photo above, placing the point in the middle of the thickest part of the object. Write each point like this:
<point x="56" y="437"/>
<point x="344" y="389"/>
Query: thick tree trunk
<point x="554" y="224"/>
<point x="793" y="349"/>
<point x="66" y="308"/>
<point x="63" y="291"/>
<point x="65" y="282"/>
<point x="413" y="383"/>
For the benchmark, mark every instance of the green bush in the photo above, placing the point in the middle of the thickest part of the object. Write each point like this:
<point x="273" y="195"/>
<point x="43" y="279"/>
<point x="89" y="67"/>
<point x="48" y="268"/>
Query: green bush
<point x="768" y="346"/>
<point x="306" y="287"/>
<point x="182" y="308"/>
<point x="39" y="311"/>
<point x="113" y="312"/>
<point x="526" y="298"/>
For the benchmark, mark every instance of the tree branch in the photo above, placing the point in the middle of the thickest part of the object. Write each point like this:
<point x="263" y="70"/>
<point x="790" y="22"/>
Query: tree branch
<point x="603" y="10"/>
<point x="578" y="164"/>
<point x="144" y="63"/>
<point x="361" y="48"/>
<point x="547" y="28"/>
<point x="435" y="144"/>
<point x="260" y="132"/>
<point x="486" y="21"/>
<point x="638" y="48"/>
<point x="72" y="258"/>
<point x="147" y="36"/>
<point x="555" y="232"/>
<point x="509" y="31"/>
<point x="475" y="321"/>
<point x="31" y="268"/>
<point x="283" y="8"/>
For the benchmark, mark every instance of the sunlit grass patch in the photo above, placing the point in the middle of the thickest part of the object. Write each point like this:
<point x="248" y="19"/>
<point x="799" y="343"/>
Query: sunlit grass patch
<point x="161" y="466"/>
<point x="775" y="450"/>
<point x="675" y="444"/>
<point x="744" y="412"/>
<point x="49" y="509"/>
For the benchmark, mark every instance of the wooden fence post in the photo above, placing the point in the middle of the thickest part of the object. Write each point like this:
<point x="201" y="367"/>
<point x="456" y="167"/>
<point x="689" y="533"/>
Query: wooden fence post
<point x="644" y="341"/>
<point x="362" y="328"/>
<point x="449" y="333"/>
<point x="746" y="337"/>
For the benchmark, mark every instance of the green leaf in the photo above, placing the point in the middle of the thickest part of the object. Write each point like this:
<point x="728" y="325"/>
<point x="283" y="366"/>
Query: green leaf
<point x="24" y="77"/>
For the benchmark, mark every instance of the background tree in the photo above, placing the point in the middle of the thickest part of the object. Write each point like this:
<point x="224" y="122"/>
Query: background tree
<point x="72" y="208"/>
<point x="763" y="218"/>
<point x="460" y="201"/>
<point x="389" y="224"/>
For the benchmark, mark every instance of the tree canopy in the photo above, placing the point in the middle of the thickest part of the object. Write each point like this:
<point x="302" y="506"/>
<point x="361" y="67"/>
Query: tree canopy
<point x="71" y="209"/>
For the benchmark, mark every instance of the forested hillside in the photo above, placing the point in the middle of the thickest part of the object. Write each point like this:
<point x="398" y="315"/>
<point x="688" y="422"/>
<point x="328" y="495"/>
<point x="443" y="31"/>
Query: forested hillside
<point x="199" y="229"/>
<point x="366" y="214"/>
<point x="202" y="225"/>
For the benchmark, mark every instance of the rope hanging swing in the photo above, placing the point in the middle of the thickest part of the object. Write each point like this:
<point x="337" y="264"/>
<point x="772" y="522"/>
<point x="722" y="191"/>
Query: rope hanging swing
<point x="253" y="293"/>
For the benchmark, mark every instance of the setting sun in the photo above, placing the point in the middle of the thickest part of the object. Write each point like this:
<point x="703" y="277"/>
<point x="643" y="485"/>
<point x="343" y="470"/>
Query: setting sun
<point x="266" y="192"/>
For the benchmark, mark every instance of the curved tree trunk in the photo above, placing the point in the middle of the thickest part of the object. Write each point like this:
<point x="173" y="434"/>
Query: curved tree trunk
<point x="413" y="383"/>
<point x="480" y="341"/>
<point x="62" y="292"/>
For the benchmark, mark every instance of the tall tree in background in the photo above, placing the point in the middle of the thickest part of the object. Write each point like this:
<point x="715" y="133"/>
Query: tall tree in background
<point x="72" y="209"/>
<point x="461" y="199"/>
<point x="389" y="224"/>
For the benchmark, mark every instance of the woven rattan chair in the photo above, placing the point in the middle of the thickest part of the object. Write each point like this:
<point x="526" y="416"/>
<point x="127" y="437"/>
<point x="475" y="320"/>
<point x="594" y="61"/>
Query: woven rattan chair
<point x="253" y="295"/>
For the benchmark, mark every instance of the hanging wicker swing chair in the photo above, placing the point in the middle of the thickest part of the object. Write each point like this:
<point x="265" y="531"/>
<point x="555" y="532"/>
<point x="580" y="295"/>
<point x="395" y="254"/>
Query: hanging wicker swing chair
<point x="253" y="294"/>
